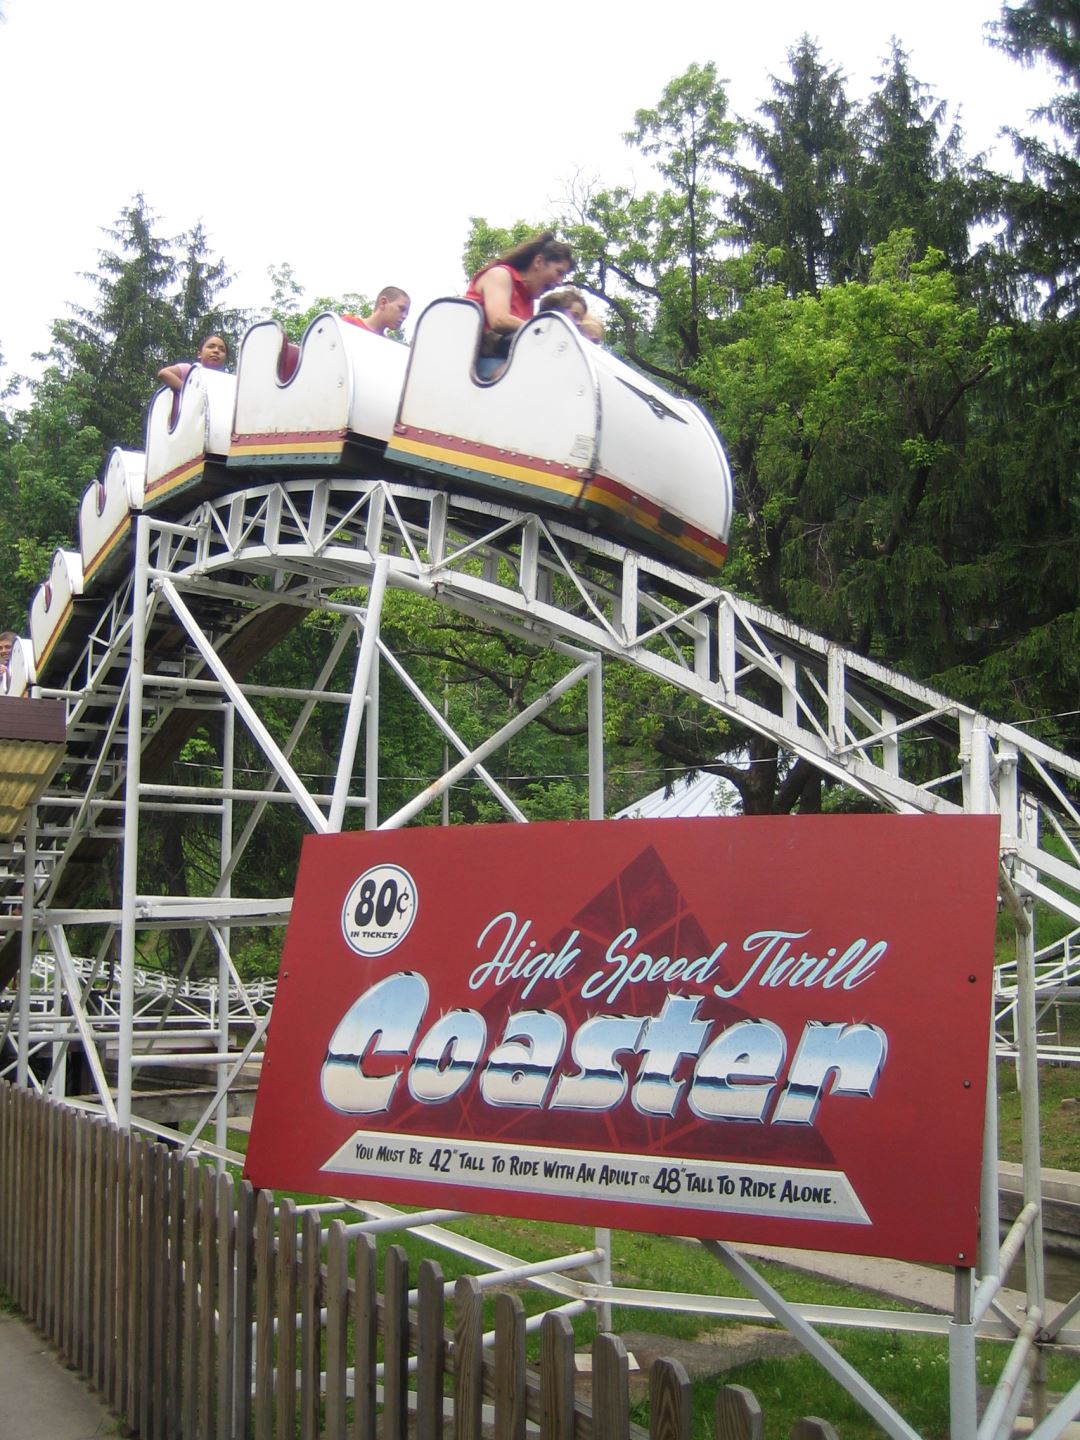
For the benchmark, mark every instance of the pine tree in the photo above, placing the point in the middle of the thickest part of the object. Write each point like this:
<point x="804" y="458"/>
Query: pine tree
<point x="800" y="203"/>
<point x="117" y="345"/>
<point x="202" y="278"/>
<point x="1042" y="209"/>
<point x="916" y="176"/>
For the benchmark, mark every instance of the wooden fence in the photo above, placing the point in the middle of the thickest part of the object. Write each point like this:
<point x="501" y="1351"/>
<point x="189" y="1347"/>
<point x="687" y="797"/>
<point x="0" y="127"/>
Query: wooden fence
<point x="201" y="1310"/>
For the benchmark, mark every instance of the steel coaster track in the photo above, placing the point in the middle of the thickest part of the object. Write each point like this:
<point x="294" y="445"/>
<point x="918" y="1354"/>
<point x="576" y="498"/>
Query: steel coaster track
<point x="293" y="545"/>
<point x="214" y="593"/>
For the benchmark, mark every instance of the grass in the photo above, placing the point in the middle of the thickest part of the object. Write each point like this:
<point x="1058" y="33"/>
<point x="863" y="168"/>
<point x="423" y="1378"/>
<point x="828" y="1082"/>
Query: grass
<point x="909" y="1371"/>
<point x="1059" y="1128"/>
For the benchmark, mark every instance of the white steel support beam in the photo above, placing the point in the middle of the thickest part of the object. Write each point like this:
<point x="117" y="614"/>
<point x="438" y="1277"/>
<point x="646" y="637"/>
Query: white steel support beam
<point x="860" y="1389"/>
<point x="963" y="1373"/>
<point x="361" y="683"/>
<point x="989" y="1211"/>
<point x="601" y="1269"/>
<point x="269" y="746"/>
<point x="294" y="542"/>
<point x="493" y="743"/>
<point x="295" y="734"/>
<point x="223" y="934"/>
<point x="1055" y="1424"/>
<point x="596" y="739"/>
<point x="448" y="733"/>
<point x="371" y="748"/>
<point x="26" y="950"/>
<point x="1027" y="1044"/>
<point x="140" y="601"/>
<point x="62" y="959"/>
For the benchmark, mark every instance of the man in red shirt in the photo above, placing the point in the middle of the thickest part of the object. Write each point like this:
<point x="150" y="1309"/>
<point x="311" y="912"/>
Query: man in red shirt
<point x="390" y="313"/>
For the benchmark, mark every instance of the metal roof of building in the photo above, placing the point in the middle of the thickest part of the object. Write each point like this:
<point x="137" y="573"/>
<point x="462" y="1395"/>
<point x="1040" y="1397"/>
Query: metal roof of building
<point x="31" y="748"/>
<point x="700" y="795"/>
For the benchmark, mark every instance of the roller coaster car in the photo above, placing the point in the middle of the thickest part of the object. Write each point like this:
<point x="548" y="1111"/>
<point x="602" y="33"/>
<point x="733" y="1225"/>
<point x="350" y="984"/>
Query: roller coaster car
<point x="566" y="425"/>
<point x="17" y="672"/>
<point x="319" y="404"/>
<point x="106" y="514"/>
<point x="187" y="437"/>
<point x="52" y="610"/>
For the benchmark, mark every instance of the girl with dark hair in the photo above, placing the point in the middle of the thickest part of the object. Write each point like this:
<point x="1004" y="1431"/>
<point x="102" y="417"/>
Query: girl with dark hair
<point x="509" y="287"/>
<point x="213" y="352"/>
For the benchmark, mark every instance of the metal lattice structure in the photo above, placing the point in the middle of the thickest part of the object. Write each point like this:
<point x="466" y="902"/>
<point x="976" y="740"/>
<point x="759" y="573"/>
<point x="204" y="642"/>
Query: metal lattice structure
<point x="211" y="595"/>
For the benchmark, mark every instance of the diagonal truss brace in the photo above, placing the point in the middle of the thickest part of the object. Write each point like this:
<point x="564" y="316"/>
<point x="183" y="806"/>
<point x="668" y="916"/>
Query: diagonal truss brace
<point x="244" y="709"/>
<point x="875" y="1404"/>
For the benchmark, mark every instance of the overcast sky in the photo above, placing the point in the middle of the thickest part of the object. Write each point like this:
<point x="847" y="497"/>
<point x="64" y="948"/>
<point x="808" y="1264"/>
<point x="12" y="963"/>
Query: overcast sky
<point x="355" y="141"/>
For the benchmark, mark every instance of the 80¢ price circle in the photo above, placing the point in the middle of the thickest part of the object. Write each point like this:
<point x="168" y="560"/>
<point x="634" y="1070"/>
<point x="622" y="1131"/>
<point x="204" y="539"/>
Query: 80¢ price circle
<point x="379" y="910"/>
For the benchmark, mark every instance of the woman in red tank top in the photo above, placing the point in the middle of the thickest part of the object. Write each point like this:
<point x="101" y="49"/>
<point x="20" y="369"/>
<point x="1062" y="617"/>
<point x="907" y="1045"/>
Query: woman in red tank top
<point x="509" y="287"/>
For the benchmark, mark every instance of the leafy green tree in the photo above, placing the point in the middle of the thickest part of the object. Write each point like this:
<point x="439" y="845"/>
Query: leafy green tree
<point x="48" y="458"/>
<point x="847" y="418"/>
<point x="484" y="242"/>
<point x="293" y="316"/>
<point x="100" y="373"/>
<point x="657" y="259"/>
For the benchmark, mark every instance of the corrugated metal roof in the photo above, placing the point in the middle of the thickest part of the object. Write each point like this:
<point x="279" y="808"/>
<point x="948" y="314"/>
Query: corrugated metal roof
<point x="31" y="748"/>
<point x="702" y="795"/>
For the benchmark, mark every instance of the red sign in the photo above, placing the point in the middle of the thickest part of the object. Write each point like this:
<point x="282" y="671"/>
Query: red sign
<point x="768" y="1030"/>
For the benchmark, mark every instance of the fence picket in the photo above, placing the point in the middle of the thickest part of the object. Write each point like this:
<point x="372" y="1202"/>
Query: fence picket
<point x="147" y="1301"/>
<point x="337" y="1329"/>
<point x="265" y="1292"/>
<point x="611" y="1388"/>
<point x="157" y="1262"/>
<point x="557" y="1375"/>
<point x="103" y="1283"/>
<point x="430" y="1350"/>
<point x="365" y="1337"/>
<point x="173" y="1299"/>
<point x="811" y="1428"/>
<point x="65" y="1200"/>
<point x="395" y="1344"/>
<point x="207" y="1425"/>
<point x="244" y="1251"/>
<point x="311" y="1325"/>
<point x="189" y="1397"/>
<point x="285" y="1388"/>
<point x="511" y="1394"/>
<point x="26" y="1206"/>
<point x="21" y="1250"/>
<point x="226" y="1304"/>
<point x="669" y="1401"/>
<point x="90" y="1203"/>
<point x="71" y="1204"/>
<point x="49" y="1197"/>
<point x="738" y="1414"/>
<point x="92" y="1299"/>
<point x="118" y="1393"/>
<point x="7" y="1154"/>
<point x="33" y="1215"/>
<point x="134" y="1280"/>
<point x="468" y="1359"/>
<point x="108" y="1312"/>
